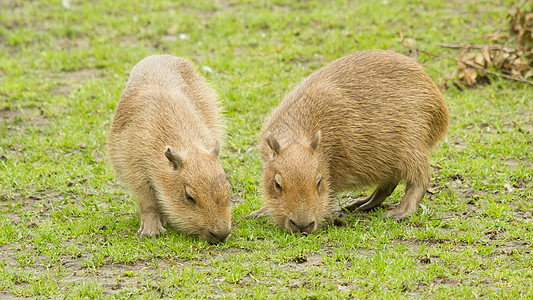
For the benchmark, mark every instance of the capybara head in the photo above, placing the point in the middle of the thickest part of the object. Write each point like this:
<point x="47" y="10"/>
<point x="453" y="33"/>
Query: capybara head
<point x="196" y="193"/>
<point x="295" y="186"/>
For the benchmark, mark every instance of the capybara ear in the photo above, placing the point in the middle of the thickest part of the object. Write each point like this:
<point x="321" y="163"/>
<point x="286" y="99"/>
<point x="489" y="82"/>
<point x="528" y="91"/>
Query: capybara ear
<point x="215" y="149"/>
<point x="315" y="140"/>
<point x="273" y="143"/>
<point x="174" y="158"/>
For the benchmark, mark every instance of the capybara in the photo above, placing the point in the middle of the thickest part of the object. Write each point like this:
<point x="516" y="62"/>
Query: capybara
<point x="368" y="118"/>
<point x="163" y="145"/>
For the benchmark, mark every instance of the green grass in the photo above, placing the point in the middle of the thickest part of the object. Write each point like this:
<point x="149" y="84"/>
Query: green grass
<point x="67" y="230"/>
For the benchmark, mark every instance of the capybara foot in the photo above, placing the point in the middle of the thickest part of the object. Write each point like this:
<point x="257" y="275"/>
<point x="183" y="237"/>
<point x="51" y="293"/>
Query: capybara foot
<point x="258" y="213"/>
<point x="355" y="205"/>
<point x="413" y="196"/>
<point x="398" y="213"/>
<point x="151" y="225"/>
<point x="375" y="199"/>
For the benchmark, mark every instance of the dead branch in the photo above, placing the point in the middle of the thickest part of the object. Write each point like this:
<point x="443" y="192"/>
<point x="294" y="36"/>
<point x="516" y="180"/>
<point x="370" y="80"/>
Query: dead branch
<point x="481" y="47"/>
<point x="485" y="71"/>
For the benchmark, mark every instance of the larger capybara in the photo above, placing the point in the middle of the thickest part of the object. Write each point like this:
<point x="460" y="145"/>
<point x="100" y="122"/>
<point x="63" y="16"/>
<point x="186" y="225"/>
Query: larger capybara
<point x="368" y="118"/>
<point x="163" y="144"/>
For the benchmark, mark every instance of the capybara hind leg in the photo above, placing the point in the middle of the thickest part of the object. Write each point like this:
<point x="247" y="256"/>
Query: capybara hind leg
<point x="413" y="196"/>
<point x="376" y="198"/>
<point x="379" y="195"/>
<point x="354" y="205"/>
<point x="151" y="219"/>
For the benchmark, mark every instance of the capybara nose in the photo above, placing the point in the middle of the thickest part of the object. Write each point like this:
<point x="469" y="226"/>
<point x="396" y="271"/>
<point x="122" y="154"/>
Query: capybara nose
<point x="218" y="236"/>
<point x="305" y="226"/>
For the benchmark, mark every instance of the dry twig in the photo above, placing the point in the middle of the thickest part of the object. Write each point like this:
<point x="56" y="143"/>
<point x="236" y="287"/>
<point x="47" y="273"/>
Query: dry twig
<point x="481" y="47"/>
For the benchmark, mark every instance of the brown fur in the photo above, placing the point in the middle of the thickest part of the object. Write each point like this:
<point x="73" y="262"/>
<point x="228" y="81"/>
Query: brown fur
<point x="374" y="116"/>
<point x="164" y="140"/>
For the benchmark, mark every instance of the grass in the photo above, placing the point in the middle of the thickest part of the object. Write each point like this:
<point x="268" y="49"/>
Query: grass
<point x="67" y="230"/>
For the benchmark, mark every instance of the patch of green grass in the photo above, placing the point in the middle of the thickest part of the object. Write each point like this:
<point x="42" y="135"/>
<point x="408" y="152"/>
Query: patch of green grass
<point x="68" y="230"/>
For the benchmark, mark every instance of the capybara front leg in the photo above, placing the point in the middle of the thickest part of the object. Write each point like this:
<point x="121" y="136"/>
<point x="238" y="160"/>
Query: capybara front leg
<point x="151" y="218"/>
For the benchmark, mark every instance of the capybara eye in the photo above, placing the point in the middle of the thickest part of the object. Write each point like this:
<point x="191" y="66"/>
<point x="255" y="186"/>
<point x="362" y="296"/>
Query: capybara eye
<point x="278" y="187"/>
<point x="190" y="198"/>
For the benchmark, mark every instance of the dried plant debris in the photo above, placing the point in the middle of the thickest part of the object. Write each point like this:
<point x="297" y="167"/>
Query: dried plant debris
<point x="507" y="56"/>
<point x="475" y="62"/>
<point x="520" y="26"/>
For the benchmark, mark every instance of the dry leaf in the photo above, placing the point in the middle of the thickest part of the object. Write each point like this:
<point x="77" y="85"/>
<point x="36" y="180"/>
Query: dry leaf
<point x="487" y="56"/>
<point x="520" y="64"/>
<point x="443" y="84"/>
<point x="480" y="60"/>
<point x="466" y="74"/>
<point x="520" y="26"/>
<point x="475" y="62"/>
<point x="497" y="37"/>
<point x="499" y="58"/>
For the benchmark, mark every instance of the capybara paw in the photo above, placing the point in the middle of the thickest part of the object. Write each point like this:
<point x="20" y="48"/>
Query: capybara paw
<point x="357" y="203"/>
<point x="258" y="213"/>
<point x="153" y="229"/>
<point x="398" y="213"/>
<point x="352" y="206"/>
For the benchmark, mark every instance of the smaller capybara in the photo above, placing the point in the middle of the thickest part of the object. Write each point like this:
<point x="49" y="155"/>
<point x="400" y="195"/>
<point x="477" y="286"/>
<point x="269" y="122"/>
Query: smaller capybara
<point x="163" y="144"/>
<point x="368" y="118"/>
